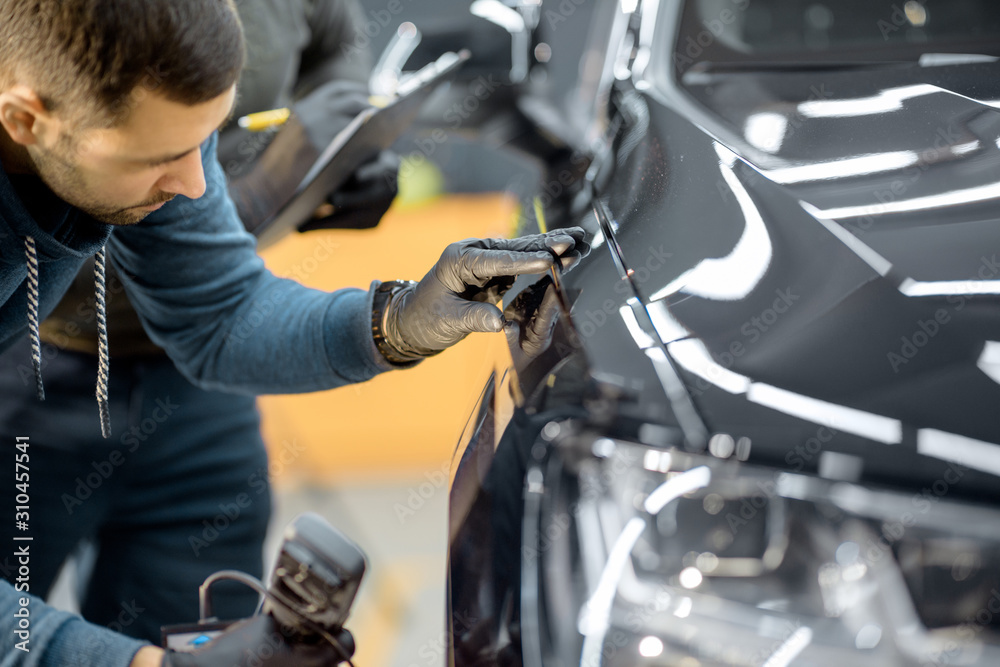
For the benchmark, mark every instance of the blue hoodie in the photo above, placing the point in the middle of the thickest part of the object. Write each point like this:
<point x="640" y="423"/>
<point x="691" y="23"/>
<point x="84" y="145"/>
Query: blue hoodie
<point x="203" y="294"/>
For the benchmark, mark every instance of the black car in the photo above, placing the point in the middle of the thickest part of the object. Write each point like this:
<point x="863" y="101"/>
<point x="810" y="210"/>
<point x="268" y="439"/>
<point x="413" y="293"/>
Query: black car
<point x="760" y="423"/>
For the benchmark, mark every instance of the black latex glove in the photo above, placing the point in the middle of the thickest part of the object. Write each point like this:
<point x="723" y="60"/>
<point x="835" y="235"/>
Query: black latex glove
<point x="362" y="201"/>
<point x="531" y="317"/>
<point x="373" y="182"/>
<point x="256" y="642"/>
<point x="458" y="295"/>
<point x="329" y="109"/>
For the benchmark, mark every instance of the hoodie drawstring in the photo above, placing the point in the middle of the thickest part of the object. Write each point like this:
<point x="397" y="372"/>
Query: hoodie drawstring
<point x="102" y="346"/>
<point x="102" y="331"/>
<point x="36" y="344"/>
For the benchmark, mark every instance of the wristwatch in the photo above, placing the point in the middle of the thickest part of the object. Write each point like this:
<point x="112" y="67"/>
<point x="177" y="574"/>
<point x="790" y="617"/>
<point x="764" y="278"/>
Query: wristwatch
<point x="384" y="294"/>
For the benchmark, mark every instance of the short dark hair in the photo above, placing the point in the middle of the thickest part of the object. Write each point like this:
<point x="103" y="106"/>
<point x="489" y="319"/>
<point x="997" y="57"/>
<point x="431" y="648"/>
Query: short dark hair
<point x="92" y="55"/>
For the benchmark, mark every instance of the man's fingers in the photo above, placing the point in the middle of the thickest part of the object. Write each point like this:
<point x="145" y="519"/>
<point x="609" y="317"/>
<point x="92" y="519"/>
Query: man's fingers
<point x="580" y="250"/>
<point x="560" y="244"/>
<point x="576" y="234"/>
<point x="474" y="316"/>
<point x="571" y="238"/>
<point x="477" y="266"/>
<point x="535" y="242"/>
<point x="531" y="317"/>
<point x="570" y="259"/>
<point x="545" y="317"/>
<point x="480" y="260"/>
<point x="557" y="241"/>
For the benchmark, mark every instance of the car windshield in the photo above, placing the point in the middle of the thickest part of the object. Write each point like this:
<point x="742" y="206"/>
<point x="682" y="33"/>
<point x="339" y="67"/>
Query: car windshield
<point x="727" y="34"/>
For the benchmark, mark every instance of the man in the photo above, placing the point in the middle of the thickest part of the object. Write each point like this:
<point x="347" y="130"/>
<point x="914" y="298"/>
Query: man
<point x="90" y="148"/>
<point x="163" y="426"/>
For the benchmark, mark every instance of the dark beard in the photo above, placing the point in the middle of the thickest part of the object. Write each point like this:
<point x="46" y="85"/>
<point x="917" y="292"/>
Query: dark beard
<point x="63" y="178"/>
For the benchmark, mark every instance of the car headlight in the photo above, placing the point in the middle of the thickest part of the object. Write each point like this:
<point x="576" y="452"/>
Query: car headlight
<point x="641" y="555"/>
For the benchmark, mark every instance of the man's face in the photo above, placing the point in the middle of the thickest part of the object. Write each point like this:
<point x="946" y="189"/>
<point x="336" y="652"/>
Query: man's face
<point x="121" y="175"/>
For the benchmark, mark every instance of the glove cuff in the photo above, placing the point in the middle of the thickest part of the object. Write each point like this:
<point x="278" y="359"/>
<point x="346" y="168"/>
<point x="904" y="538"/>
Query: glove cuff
<point x="385" y="333"/>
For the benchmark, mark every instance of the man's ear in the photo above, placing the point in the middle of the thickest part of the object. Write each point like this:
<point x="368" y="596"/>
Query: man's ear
<point x="24" y="116"/>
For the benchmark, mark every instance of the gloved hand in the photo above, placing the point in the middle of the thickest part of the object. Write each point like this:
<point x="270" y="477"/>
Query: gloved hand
<point x="256" y="642"/>
<point x="329" y="109"/>
<point x="262" y="192"/>
<point x="362" y="201"/>
<point x="458" y="295"/>
<point x="531" y="317"/>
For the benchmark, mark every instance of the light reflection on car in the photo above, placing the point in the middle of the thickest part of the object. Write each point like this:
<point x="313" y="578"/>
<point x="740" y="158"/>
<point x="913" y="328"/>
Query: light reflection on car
<point x="763" y="429"/>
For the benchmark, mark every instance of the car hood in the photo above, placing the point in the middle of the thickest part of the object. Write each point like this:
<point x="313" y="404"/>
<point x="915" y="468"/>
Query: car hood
<point x="823" y="283"/>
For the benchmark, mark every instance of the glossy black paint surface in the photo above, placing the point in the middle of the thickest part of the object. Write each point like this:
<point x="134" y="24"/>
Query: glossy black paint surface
<point x="848" y="335"/>
<point x="829" y="288"/>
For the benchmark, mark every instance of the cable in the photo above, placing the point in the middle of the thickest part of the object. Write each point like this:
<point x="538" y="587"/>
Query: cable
<point x="338" y="647"/>
<point x="205" y="605"/>
<point x="205" y="600"/>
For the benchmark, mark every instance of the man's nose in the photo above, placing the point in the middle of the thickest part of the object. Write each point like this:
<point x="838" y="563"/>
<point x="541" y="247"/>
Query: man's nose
<point x="185" y="177"/>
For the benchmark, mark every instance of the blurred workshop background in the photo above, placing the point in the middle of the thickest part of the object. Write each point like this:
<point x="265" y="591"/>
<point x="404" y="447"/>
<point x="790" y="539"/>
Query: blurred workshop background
<point x="374" y="458"/>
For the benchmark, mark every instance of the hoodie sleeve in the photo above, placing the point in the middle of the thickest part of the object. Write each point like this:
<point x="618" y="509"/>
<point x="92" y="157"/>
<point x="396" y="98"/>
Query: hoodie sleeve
<point x="203" y="294"/>
<point x="36" y="635"/>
